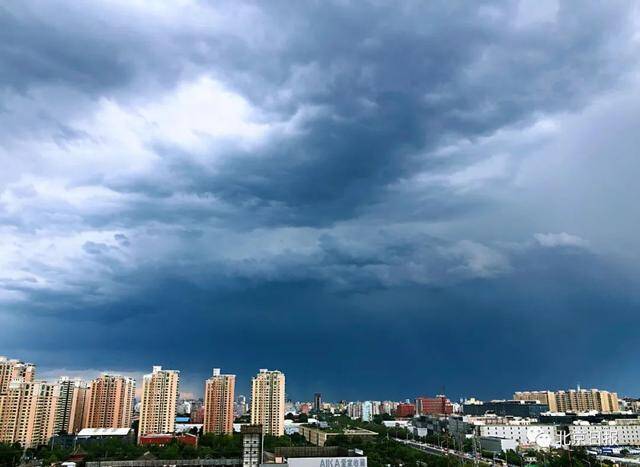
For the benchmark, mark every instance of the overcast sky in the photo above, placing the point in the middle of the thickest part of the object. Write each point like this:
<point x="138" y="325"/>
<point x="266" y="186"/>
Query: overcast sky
<point x="381" y="199"/>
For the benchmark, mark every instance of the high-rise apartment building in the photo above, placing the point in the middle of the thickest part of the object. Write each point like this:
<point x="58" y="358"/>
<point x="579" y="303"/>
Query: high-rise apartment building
<point x="12" y="370"/>
<point x="109" y="402"/>
<point x="70" y="408"/>
<point x="241" y="407"/>
<point x="28" y="413"/>
<point x="544" y="397"/>
<point x="267" y="401"/>
<point x="367" y="411"/>
<point x="218" y="403"/>
<point x="159" y="399"/>
<point x="354" y="410"/>
<point x="317" y="402"/>
<point x="573" y="400"/>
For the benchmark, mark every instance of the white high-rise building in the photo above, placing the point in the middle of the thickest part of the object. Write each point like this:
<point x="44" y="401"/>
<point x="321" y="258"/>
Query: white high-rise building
<point x="367" y="411"/>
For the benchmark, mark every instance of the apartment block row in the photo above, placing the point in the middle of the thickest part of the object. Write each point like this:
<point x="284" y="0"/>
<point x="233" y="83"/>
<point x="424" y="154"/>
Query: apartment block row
<point x="32" y="411"/>
<point x="573" y="400"/>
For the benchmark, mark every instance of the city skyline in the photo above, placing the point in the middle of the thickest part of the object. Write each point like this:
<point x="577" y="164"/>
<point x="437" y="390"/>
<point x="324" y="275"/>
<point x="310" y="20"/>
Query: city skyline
<point x="370" y="395"/>
<point x="380" y="199"/>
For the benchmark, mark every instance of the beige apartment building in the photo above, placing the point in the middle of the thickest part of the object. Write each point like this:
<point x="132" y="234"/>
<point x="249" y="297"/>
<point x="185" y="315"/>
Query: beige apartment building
<point x="158" y="404"/>
<point x="544" y="397"/>
<point x="218" y="403"/>
<point x="28" y="412"/>
<point x="70" y="409"/>
<point x="573" y="400"/>
<point x="109" y="402"/>
<point x="267" y="401"/>
<point x="11" y="370"/>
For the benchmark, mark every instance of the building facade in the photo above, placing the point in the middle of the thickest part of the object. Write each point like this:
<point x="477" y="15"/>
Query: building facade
<point x="218" y="403"/>
<point x="405" y="410"/>
<point x="367" y="411"/>
<point x="70" y="408"/>
<point x="109" y="402"/>
<point x="618" y="433"/>
<point x="438" y="405"/>
<point x="527" y="435"/>
<point x="492" y="444"/>
<point x="251" y="445"/>
<point x="319" y="437"/>
<point x="317" y="402"/>
<point x="515" y="408"/>
<point x="28" y="413"/>
<point x="267" y="401"/>
<point x="158" y="403"/>
<point x="573" y="400"/>
<point x="12" y="370"/>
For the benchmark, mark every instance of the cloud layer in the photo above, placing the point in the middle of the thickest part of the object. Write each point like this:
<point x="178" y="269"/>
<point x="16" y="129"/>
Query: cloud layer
<point x="393" y="178"/>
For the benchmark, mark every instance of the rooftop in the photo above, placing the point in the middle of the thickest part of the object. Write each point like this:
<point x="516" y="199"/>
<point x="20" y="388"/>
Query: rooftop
<point x="104" y="432"/>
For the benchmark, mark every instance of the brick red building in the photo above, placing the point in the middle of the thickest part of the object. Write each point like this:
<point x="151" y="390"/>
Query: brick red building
<point x="438" y="405"/>
<point x="197" y="415"/>
<point x="164" y="439"/>
<point x="405" y="410"/>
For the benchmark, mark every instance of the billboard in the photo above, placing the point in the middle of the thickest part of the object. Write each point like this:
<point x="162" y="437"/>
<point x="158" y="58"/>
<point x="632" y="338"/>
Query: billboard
<point x="327" y="461"/>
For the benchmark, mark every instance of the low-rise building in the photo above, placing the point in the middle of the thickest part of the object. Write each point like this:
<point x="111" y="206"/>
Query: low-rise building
<point x="307" y="456"/>
<point x="92" y="436"/>
<point x="319" y="436"/>
<point x="525" y="431"/>
<point x="512" y="408"/>
<point x="567" y="418"/>
<point x="619" y="432"/>
<point x="397" y="423"/>
<point x="89" y="435"/>
<point x="430" y="425"/>
<point x="493" y="444"/>
<point x="162" y="439"/>
<point x="532" y="436"/>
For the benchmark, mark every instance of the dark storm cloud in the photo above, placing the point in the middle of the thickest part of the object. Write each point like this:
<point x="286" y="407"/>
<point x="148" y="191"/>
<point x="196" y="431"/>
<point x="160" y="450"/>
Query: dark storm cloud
<point x="39" y="47"/>
<point x="353" y="178"/>
<point x="525" y="330"/>
<point x="392" y="84"/>
<point x="390" y="88"/>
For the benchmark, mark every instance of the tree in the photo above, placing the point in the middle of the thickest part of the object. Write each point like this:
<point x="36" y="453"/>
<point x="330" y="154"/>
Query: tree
<point x="10" y="454"/>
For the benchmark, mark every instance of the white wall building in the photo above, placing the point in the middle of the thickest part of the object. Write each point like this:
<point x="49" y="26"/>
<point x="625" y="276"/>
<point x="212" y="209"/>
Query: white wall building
<point x="533" y="436"/>
<point x="619" y="432"/>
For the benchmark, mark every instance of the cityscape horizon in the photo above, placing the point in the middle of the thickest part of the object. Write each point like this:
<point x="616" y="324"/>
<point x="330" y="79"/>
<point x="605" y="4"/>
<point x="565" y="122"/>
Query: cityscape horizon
<point x="189" y="393"/>
<point x="404" y="231"/>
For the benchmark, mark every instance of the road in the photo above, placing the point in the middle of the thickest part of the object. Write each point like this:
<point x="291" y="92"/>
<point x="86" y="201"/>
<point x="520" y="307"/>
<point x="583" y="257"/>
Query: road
<point x="439" y="451"/>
